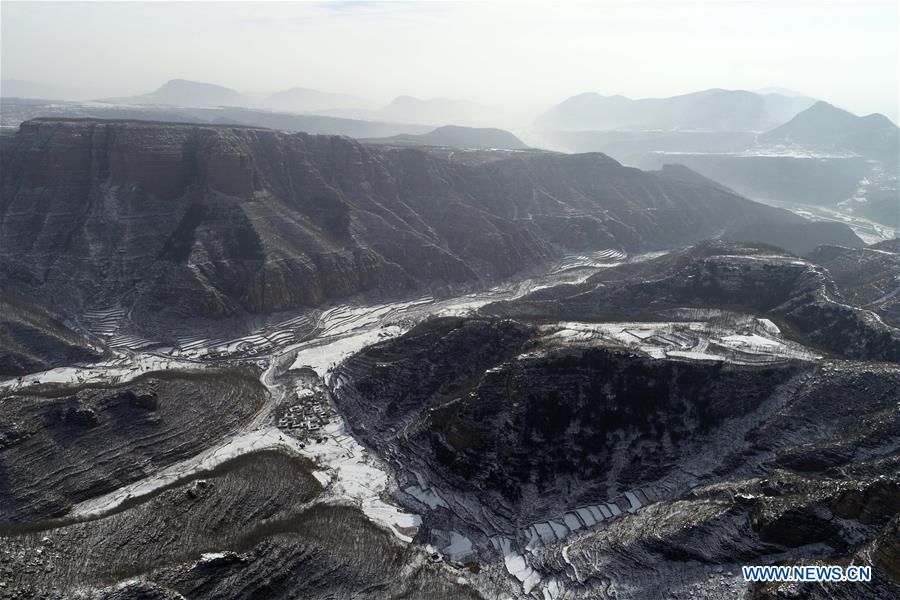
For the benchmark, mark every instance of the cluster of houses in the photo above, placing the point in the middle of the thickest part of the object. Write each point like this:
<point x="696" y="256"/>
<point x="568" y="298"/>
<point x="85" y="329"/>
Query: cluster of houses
<point x="309" y="415"/>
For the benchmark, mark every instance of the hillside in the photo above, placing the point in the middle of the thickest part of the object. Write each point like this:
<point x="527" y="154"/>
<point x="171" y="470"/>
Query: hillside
<point x="178" y="221"/>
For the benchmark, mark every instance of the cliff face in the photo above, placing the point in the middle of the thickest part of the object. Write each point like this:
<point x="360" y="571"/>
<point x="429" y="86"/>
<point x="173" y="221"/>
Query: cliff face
<point x="198" y="220"/>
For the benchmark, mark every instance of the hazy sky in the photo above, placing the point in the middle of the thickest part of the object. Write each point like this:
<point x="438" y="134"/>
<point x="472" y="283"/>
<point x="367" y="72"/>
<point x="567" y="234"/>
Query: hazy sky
<point x="527" y="56"/>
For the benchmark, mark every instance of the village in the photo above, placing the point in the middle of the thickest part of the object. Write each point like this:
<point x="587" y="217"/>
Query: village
<point x="308" y="416"/>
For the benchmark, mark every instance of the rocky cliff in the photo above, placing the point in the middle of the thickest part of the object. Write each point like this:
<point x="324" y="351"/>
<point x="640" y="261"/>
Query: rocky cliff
<point x="179" y="220"/>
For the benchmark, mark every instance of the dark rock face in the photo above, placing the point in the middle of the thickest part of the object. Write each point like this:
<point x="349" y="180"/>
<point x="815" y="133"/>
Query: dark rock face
<point x="181" y="220"/>
<point x="81" y="442"/>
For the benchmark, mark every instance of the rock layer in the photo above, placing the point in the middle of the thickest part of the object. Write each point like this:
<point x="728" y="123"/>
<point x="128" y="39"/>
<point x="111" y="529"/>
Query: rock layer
<point x="177" y="220"/>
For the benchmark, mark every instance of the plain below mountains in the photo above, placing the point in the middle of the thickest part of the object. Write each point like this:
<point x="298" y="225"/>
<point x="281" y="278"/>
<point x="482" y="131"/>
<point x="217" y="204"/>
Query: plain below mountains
<point x="178" y="221"/>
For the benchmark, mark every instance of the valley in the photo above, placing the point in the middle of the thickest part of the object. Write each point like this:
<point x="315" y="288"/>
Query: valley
<point x="365" y="300"/>
<point x="456" y="538"/>
<point x="241" y="362"/>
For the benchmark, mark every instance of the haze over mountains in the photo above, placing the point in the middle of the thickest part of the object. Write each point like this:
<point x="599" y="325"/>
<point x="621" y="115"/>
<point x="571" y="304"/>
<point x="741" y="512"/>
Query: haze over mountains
<point x="243" y="220"/>
<point x="709" y="110"/>
<point x="368" y="300"/>
<point x="308" y="363"/>
<point x="308" y="100"/>
<point x="774" y="146"/>
<point x="459" y="137"/>
<point x="180" y="92"/>
<point x="828" y="128"/>
<point x="403" y="109"/>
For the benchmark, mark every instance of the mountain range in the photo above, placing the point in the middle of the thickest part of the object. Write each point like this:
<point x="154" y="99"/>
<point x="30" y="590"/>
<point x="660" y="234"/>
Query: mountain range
<point x="829" y="128"/>
<point x="242" y="362"/>
<point x="708" y="110"/>
<point x="181" y="92"/>
<point x="454" y="136"/>
<point x="184" y="221"/>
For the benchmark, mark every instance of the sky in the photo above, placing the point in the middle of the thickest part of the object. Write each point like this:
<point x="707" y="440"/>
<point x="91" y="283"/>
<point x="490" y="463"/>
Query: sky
<point x="521" y="56"/>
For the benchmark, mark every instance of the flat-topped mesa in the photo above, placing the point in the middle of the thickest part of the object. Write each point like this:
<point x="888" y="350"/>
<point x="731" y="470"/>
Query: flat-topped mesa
<point x="183" y="220"/>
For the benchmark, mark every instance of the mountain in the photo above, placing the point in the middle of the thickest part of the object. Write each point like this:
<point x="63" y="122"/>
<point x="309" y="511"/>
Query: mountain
<point x="181" y="92"/>
<point x="14" y="111"/>
<point x="665" y="420"/>
<point x="826" y="127"/>
<point x="455" y="136"/>
<point x="307" y="100"/>
<point x="823" y="156"/>
<point x="176" y="221"/>
<point x="708" y="110"/>
<point x="750" y="278"/>
<point x="868" y="277"/>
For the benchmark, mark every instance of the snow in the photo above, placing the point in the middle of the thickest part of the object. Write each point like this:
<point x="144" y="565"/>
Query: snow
<point x="545" y="532"/>
<point x="559" y="529"/>
<point x="210" y="556"/>
<point x="324" y="357"/>
<point x="633" y="500"/>
<point x="518" y="567"/>
<point x="572" y="521"/>
<point x="722" y="336"/>
<point x="119" y="370"/>
<point x="587" y="516"/>
<point x="426" y="496"/>
<point x="751" y="341"/>
<point x="459" y="548"/>
<point x="552" y="589"/>
<point x="692" y="355"/>
<point x="355" y="477"/>
<point x="266" y="438"/>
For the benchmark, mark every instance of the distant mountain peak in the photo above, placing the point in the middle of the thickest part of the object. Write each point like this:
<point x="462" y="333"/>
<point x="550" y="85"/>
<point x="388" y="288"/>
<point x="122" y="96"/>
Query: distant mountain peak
<point x="825" y="126"/>
<point x="713" y="109"/>
<point x="185" y="92"/>
<point x="187" y="84"/>
<point x="457" y="136"/>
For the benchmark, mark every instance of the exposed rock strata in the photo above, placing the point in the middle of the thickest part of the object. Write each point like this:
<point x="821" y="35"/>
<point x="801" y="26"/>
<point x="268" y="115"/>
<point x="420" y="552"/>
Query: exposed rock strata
<point x="178" y="220"/>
